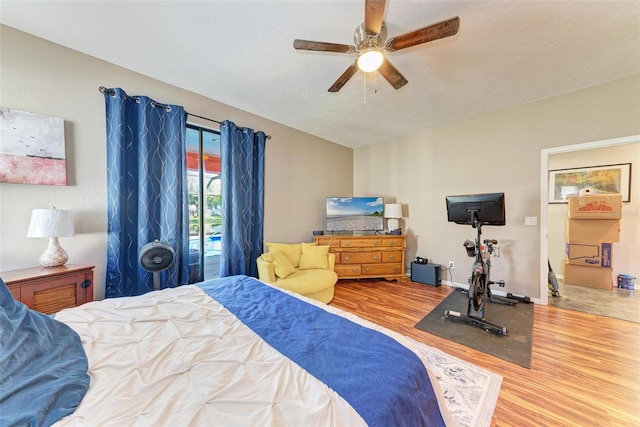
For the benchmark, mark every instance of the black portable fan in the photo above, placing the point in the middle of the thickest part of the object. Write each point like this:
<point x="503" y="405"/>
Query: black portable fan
<point x="155" y="257"/>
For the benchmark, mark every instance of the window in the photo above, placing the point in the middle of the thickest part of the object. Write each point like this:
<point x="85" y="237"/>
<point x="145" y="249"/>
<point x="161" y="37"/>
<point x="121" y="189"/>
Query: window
<point x="205" y="216"/>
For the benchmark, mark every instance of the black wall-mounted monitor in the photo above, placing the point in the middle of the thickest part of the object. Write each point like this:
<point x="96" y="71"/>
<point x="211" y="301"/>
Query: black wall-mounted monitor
<point x="476" y="209"/>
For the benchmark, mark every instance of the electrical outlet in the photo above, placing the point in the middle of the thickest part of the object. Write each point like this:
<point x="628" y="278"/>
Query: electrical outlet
<point x="452" y="265"/>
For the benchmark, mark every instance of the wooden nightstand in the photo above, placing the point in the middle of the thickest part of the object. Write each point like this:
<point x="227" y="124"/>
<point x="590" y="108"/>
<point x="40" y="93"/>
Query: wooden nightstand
<point x="49" y="290"/>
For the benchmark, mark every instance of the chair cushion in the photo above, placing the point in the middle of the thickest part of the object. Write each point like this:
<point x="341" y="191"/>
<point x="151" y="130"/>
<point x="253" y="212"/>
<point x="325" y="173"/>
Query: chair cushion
<point x="307" y="282"/>
<point x="282" y="265"/>
<point x="291" y="250"/>
<point x="314" y="256"/>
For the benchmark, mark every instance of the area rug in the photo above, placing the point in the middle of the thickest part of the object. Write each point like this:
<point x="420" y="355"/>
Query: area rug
<point x="515" y="347"/>
<point x="471" y="392"/>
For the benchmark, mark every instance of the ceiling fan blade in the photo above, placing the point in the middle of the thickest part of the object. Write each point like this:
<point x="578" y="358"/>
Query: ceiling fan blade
<point x="432" y="32"/>
<point x="392" y="74"/>
<point x="373" y="15"/>
<point x="344" y="78"/>
<point x="322" y="46"/>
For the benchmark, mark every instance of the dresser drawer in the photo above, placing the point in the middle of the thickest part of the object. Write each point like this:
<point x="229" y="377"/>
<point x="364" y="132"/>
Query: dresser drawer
<point x="393" y="242"/>
<point x="392" y="256"/>
<point x="331" y="241"/>
<point x="56" y="296"/>
<point x="361" y="243"/>
<point x="360" y="257"/>
<point x="346" y="270"/>
<point x="381" y="269"/>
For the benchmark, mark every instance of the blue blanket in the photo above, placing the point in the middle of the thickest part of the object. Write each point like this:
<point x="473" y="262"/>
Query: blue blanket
<point x="386" y="383"/>
<point x="43" y="367"/>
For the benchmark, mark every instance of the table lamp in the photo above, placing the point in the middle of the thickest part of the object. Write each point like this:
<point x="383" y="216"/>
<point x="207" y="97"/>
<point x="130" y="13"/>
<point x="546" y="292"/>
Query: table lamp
<point x="51" y="223"/>
<point x="393" y="213"/>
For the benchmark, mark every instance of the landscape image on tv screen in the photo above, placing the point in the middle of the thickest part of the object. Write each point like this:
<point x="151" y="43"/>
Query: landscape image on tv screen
<point x="355" y="213"/>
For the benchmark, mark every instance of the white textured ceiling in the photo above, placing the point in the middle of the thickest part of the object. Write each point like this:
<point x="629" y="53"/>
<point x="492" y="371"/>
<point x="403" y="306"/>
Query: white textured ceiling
<point x="240" y="53"/>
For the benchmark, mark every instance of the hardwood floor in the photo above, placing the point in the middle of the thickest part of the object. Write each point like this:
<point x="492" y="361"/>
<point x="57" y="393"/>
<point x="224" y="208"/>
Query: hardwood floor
<point x="585" y="368"/>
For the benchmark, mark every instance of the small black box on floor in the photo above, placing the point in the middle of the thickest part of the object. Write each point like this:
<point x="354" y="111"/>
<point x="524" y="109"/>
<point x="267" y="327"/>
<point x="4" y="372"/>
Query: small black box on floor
<point x="429" y="274"/>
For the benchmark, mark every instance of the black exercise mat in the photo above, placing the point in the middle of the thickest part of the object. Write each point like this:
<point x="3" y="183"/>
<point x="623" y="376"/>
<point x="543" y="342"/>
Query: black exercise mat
<point x="514" y="347"/>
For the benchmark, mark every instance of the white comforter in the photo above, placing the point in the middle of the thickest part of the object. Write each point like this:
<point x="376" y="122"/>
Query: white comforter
<point x="177" y="357"/>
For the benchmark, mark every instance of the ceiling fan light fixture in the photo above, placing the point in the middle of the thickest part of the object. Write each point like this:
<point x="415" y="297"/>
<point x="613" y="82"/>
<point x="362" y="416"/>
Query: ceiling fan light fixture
<point x="369" y="41"/>
<point x="370" y="60"/>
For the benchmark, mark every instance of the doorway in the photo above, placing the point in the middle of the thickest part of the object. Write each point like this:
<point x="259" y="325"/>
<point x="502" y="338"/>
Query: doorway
<point x="607" y="298"/>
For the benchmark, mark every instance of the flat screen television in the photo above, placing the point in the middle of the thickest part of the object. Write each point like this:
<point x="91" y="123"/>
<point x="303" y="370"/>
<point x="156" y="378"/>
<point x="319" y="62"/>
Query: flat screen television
<point x="476" y="209"/>
<point x="355" y="214"/>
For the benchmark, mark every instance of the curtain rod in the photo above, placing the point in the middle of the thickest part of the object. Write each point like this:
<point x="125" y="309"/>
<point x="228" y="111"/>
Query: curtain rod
<point x="103" y="90"/>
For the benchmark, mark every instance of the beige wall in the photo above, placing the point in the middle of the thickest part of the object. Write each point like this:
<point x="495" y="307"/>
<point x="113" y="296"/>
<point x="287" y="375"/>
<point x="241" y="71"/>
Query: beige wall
<point x="626" y="252"/>
<point x="494" y="152"/>
<point x="45" y="78"/>
<point x="417" y="171"/>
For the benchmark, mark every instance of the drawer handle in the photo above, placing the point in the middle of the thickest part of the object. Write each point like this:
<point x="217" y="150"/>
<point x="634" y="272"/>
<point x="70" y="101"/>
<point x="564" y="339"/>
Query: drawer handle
<point x="347" y="243"/>
<point x="347" y="258"/>
<point x="367" y="269"/>
<point x="355" y="270"/>
<point x="376" y="257"/>
<point x="376" y="243"/>
<point x="85" y="284"/>
<point x="396" y="269"/>
<point x="392" y="257"/>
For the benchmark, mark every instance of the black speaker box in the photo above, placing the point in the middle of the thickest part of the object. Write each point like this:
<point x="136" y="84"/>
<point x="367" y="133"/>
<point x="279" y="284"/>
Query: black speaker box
<point x="428" y="274"/>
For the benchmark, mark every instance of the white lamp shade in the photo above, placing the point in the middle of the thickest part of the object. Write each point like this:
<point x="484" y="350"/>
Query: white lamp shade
<point x="393" y="210"/>
<point x="51" y="223"/>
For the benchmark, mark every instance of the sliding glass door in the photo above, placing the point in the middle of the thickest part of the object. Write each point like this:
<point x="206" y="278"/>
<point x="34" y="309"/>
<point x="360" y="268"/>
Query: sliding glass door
<point x="203" y="174"/>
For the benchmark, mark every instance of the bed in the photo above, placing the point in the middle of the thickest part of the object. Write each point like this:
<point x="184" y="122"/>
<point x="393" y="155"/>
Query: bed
<point x="232" y="351"/>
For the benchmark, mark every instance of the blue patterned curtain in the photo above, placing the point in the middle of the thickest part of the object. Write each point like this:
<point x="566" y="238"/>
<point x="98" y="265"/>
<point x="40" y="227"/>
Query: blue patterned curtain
<point x="242" y="159"/>
<point x="147" y="190"/>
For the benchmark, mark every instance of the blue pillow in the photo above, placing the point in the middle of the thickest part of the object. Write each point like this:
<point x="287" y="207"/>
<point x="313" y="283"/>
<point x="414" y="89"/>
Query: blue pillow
<point x="43" y="367"/>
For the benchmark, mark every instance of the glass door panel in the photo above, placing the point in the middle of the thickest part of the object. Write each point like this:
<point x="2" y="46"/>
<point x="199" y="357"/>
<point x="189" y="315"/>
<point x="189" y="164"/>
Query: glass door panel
<point x="203" y="164"/>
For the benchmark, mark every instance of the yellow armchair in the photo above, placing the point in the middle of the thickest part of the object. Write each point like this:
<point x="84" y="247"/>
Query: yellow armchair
<point x="304" y="268"/>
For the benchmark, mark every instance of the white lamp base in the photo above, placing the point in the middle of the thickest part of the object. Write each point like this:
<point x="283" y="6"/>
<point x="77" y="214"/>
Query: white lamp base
<point x="54" y="255"/>
<point x="393" y="224"/>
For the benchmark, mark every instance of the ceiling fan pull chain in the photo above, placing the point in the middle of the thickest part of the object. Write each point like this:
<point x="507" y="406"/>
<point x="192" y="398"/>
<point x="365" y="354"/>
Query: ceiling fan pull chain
<point x="364" y="89"/>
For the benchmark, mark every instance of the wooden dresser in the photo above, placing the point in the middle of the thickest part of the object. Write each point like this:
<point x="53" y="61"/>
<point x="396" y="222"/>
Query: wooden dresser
<point x="366" y="257"/>
<point x="51" y="289"/>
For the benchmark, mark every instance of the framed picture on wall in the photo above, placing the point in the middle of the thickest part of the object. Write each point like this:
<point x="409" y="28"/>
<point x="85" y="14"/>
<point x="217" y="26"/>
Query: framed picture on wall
<point x="606" y="179"/>
<point x="32" y="148"/>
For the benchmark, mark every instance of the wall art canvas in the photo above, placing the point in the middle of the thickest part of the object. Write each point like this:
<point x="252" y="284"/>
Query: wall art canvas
<point x="607" y="179"/>
<point x="32" y="148"/>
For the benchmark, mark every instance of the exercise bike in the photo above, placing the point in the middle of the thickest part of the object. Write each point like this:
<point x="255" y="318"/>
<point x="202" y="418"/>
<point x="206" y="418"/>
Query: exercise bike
<point x="488" y="250"/>
<point x="480" y="281"/>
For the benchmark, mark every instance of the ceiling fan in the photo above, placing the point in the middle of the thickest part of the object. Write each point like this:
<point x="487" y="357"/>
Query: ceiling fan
<point x="369" y="39"/>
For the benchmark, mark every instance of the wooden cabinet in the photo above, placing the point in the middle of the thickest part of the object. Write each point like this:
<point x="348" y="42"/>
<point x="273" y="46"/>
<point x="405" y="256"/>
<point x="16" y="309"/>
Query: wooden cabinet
<point x="51" y="289"/>
<point x="360" y="257"/>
